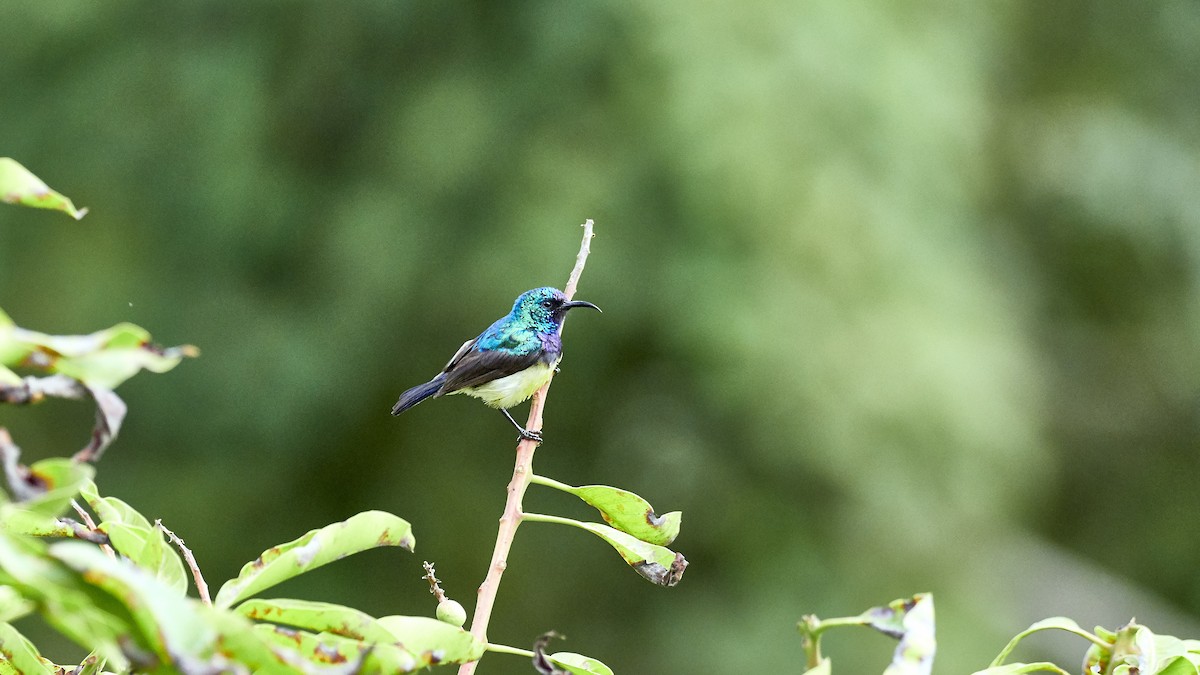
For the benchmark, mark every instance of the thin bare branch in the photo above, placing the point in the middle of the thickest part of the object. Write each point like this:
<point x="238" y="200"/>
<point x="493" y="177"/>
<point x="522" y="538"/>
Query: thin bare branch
<point x="519" y="483"/>
<point x="16" y="474"/>
<point x="91" y="524"/>
<point x="433" y="582"/>
<point x="580" y="260"/>
<point x="201" y="586"/>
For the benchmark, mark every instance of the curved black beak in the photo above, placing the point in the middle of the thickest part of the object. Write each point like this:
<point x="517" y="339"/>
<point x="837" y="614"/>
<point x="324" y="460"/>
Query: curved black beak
<point x="580" y="303"/>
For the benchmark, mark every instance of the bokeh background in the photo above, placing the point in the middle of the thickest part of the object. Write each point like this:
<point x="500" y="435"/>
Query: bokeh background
<point x="899" y="297"/>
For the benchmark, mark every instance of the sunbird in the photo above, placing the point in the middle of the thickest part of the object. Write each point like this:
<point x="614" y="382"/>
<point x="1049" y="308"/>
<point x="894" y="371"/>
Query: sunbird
<point x="509" y="361"/>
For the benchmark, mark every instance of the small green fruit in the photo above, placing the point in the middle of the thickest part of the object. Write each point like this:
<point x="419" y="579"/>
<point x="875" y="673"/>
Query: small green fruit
<point x="449" y="611"/>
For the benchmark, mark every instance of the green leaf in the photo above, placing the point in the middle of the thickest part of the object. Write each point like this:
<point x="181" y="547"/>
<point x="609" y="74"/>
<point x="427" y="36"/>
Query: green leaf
<point x="110" y="367"/>
<point x="18" y="520"/>
<point x="93" y="664"/>
<point x="13" y="605"/>
<point x="112" y="509"/>
<point x="433" y="641"/>
<point x="1096" y="658"/>
<point x="1136" y="647"/>
<point x="103" y="359"/>
<point x="169" y="624"/>
<point x="580" y="664"/>
<point x="316" y="548"/>
<point x="19" y="186"/>
<point x="327" y="649"/>
<point x="18" y="655"/>
<point x="135" y="538"/>
<point x="822" y="668"/>
<point x="83" y="613"/>
<point x="657" y="564"/>
<point x="631" y="514"/>
<point x="146" y="548"/>
<point x="8" y="378"/>
<point x="318" y="617"/>
<point x="1180" y="665"/>
<point x="1053" y="623"/>
<point x="57" y="481"/>
<point x="1018" y="668"/>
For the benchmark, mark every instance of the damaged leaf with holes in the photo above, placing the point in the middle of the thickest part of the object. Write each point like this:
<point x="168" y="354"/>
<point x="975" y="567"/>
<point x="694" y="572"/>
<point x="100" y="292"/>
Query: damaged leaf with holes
<point x="367" y="530"/>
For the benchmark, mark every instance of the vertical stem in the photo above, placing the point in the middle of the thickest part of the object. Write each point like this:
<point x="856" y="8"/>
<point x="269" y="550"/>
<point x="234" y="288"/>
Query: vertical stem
<point x="522" y="471"/>
<point x="509" y="522"/>
<point x="201" y="586"/>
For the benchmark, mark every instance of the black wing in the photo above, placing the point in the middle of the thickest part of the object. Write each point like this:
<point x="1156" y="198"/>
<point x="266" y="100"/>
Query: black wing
<point x="471" y="367"/>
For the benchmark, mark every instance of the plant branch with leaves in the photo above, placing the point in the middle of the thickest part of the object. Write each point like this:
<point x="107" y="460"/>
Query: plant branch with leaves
<point x="116" y="582"/>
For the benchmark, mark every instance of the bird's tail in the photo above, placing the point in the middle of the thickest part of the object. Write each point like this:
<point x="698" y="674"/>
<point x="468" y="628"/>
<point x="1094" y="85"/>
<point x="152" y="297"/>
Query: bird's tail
<point x="417" y="394"/>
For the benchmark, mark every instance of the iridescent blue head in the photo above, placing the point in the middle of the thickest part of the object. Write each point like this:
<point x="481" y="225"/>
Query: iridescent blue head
<point x="545" y="309"/>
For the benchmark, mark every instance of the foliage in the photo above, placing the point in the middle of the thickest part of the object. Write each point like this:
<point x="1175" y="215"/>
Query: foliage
<point x="121" y="590"/>
<point x="890" y="281"/>
<point x="902" y="284"/>
<point x="1130" y="650"/>
<point x="910" y="621"/>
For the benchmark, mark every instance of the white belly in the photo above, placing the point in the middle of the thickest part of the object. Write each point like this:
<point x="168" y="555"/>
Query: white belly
<point x="506" y="392"/>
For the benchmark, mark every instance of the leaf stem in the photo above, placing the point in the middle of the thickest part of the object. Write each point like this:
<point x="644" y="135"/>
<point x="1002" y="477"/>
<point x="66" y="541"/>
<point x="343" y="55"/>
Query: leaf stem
<point x="545" y="518"/>
<point x="522" y="475"/>
<point x="811" y="629"/>
<point x="550" y="482"/>
<point x="505" y="649"/>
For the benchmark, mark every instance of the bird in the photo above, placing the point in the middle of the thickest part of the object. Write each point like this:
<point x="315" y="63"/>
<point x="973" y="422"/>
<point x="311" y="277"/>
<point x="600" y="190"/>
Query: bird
<point x="508" y="361"/>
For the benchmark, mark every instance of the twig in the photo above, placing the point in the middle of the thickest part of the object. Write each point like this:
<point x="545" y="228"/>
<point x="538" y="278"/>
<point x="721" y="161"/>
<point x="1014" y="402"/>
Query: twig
<point x="201" y="587"/>
<point x="433" y="582"/>
<point x="81" y="531"/>
<point x="517" y="486"/>
<point x="20" y="481"/>
<point x="87" y="520"/>
<point x="585" y="247"/>
<point x="34" y="389"/>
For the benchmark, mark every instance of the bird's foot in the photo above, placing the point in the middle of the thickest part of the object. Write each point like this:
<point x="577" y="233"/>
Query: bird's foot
<point x="526" y="435"/>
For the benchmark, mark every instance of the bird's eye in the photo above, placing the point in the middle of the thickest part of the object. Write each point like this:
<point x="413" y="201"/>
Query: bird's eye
<point x="547" y="304"/>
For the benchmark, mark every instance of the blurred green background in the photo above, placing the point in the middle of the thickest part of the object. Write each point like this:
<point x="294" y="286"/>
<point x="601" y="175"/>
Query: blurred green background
<point x="899" y="297"/>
